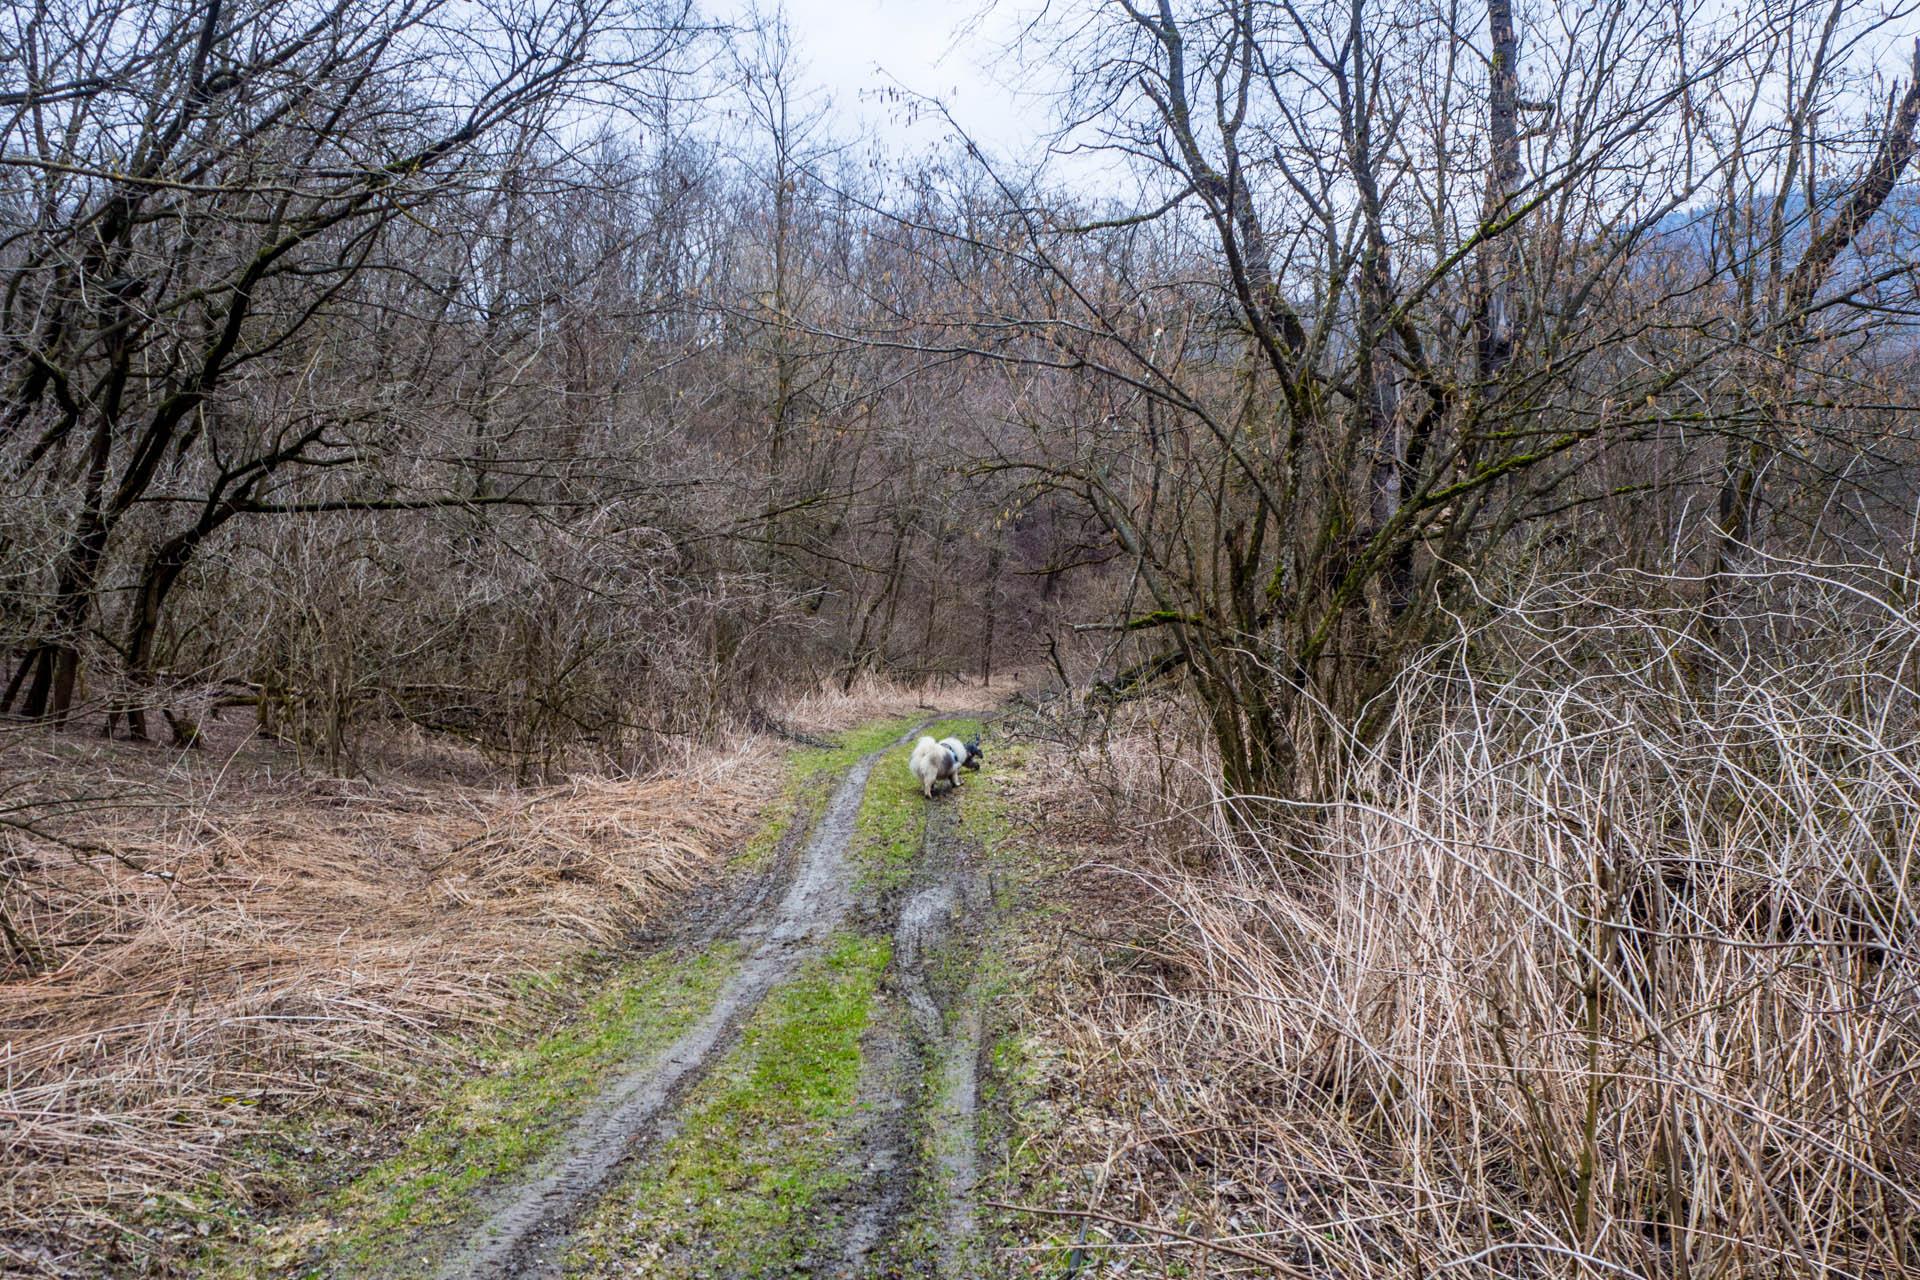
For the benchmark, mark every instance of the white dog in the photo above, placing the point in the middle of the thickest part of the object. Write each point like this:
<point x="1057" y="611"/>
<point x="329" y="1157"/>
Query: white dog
<point x="933" y="762"/>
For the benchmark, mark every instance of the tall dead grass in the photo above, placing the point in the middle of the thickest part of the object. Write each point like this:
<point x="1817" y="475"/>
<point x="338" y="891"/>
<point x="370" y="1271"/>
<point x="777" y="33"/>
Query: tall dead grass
<point x="871" y="697"/>
<point x="1607" y="965"/>
<point x="223" y="940"/>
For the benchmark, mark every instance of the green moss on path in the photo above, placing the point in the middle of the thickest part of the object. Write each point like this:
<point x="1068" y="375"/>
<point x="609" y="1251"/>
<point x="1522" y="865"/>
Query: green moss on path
<point x="736" y="1192"/>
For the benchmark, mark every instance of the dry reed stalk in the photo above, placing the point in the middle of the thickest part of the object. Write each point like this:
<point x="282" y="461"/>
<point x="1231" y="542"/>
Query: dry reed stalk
<point x="1613" y="971"/>
<point x="260" y="942"/>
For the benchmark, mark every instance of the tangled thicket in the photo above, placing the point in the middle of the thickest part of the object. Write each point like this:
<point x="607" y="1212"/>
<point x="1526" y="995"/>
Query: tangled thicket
<point x="1604" y="963"/>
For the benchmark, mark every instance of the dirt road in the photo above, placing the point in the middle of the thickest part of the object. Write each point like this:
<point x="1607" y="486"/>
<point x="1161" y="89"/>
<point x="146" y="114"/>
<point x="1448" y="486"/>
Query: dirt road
<point x="731" y="1151"/>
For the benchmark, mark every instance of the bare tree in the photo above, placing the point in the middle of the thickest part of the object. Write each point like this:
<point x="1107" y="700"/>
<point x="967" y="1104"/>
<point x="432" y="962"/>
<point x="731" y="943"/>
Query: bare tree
<point x="1380" y="307"/>
<point x="190" y="191"/>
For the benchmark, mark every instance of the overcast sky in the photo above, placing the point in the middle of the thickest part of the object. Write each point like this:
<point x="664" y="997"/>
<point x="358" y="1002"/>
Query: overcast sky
<point x="857" y="50"/>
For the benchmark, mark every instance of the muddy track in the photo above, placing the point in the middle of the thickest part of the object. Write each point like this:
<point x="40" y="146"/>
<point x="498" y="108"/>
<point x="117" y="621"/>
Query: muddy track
<point x="918" y="1218"/>
<point x="905" y="1176"/>
<point x="527" y="1227"/>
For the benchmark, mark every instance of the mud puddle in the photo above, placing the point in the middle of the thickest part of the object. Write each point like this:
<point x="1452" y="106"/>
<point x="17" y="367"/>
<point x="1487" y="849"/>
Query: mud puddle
<point x="526" y="1231"/>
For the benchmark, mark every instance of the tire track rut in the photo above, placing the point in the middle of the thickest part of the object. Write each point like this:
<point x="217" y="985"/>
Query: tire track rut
<point x="919" y="1218"/>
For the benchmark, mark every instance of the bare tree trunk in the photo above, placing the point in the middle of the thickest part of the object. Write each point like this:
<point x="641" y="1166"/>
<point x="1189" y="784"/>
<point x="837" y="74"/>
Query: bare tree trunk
<point x="990" y="607"/>
<point x="19" y="678"/>
<point x="1500" y="262"/>
<point x="163" y="569"/>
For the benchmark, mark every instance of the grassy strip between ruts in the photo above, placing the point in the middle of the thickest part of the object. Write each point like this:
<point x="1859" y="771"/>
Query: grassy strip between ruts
<point x="810" y="770"/>
<point x="735" y="1191"/>
<point x="489" y="1128"/>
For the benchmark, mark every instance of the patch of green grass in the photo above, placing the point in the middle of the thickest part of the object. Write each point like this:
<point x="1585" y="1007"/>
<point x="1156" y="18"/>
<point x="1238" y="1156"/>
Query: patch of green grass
<point x="989" y="817"/>
<point x="760" y="1144"/>
<point x="888" y="830"/>
<point x="893" y="814"/>
<point x="814" y="764"/>
<point x="493" y="1126"/>
<point x="809" y="771"/>
<point x="1017" y="1120"/>
<point x="756" y="855"/>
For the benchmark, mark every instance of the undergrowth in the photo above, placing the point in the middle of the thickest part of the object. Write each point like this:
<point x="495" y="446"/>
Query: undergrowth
<point x="1600" y="963"/>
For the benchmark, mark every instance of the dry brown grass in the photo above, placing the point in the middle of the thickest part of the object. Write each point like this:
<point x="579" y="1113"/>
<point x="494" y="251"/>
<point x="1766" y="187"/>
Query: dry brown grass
<point x="873" y="698"/>
<point x="1608" y="966"/>
<point x="247" y="941"/>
